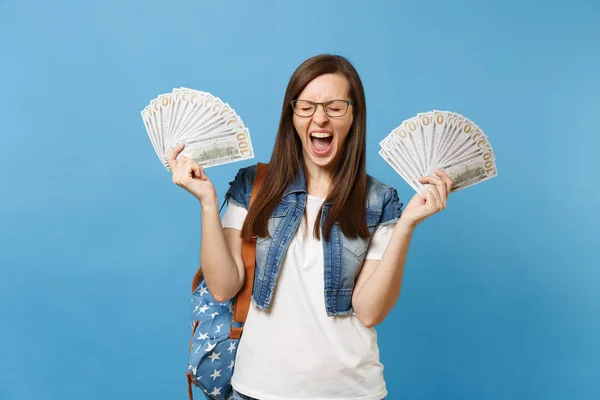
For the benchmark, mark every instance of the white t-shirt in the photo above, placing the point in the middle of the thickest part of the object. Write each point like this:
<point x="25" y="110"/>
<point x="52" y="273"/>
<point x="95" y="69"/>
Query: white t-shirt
<point x="294" y="350"/>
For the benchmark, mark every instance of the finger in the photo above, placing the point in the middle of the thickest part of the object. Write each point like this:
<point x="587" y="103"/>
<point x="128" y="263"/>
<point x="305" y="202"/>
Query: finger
<point x="182" y="172"/>
<point x="431" y="200"/>
<point x="189" y="168"/>
<point x="440" y="204"/>
<point x="199" y="171"/>
<point x="446" y="178"/>
<point x="441" y="185"/>
<point x="172" y="159"/>
<point x="195" y="170"/>
<point x="433" y="180"/>
<point x="203" y="171"/>
<point x="442" y="188"/>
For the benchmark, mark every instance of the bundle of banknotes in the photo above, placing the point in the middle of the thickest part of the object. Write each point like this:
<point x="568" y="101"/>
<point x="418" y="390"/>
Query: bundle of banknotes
<point x="439" y="140"/>
<point x="212" y="132"/>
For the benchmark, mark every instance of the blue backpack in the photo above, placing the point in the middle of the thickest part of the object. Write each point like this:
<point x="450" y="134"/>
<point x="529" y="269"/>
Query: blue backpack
<point x="217" y="327"/>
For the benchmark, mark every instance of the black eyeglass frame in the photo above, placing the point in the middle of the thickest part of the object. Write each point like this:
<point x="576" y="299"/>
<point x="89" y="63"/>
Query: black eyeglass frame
<point x="324" y="105"/>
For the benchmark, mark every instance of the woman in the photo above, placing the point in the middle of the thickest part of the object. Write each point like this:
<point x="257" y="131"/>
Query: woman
<point x="331" y="245"/>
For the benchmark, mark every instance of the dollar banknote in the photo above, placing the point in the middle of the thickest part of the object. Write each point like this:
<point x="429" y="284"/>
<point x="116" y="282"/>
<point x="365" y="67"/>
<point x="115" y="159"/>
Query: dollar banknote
<point x="211" y="130"/>
<point x="440" y="140"/>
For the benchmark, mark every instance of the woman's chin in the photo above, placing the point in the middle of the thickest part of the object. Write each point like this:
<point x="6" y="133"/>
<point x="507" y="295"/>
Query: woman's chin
<point x="321" y="160"/>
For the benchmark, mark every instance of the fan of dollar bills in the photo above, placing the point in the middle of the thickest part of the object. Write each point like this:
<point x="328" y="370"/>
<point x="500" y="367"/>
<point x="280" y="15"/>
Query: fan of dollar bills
<point x="439" y="140"/>
<point x="211" y="130"/>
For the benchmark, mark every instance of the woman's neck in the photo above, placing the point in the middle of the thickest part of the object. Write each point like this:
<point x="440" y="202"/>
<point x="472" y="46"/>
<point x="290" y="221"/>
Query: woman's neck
<point x="318" y="180"/>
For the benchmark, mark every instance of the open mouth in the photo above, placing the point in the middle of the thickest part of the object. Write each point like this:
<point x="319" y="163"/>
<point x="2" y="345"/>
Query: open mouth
<point x="321" y="142"/>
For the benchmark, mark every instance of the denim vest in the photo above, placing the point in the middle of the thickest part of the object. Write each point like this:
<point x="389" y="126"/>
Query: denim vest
<point x="343" y="257"/>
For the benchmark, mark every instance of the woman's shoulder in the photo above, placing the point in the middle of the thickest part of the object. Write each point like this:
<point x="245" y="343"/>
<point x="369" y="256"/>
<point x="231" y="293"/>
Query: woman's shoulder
<point x="374" y="183"/>
<point x="377" y="188"/>
<point x="240" y="188"/>
<point x="247" y="174"/>
<point x="383" y="197"/>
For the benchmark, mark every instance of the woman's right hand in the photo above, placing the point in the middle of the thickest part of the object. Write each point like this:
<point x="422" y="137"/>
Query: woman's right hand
<point x="190" y="175"/>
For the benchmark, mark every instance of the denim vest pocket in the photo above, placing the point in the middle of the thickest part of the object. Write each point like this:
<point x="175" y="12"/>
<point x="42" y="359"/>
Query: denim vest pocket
<point x="357" y="246"/>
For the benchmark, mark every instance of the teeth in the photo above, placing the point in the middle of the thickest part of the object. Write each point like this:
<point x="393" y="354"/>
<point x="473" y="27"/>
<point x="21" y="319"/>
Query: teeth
<point x="320" y="134"/>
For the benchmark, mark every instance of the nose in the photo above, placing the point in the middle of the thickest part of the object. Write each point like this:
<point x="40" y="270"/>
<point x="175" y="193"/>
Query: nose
<point x="320" y="117"/>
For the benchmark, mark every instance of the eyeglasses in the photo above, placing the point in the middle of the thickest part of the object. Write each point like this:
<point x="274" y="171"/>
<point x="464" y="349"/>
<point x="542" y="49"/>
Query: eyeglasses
<point x="333" y="108"/>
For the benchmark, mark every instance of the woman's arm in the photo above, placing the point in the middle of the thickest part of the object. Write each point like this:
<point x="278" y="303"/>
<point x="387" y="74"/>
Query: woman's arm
<point x="220" y="255"/>
<point x="221" y="250"/>
<point x="377" y="286"/>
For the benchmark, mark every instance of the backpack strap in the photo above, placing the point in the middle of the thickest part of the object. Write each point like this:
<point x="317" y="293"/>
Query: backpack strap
<point x="242" y="300"/>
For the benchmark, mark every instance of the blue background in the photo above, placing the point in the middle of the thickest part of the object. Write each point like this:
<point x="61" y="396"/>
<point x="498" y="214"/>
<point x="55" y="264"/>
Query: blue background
<point x="98" y="247"/>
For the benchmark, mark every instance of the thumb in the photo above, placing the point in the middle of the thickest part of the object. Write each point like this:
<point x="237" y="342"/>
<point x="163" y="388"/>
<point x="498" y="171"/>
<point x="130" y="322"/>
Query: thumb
<point x="172" y="156"/>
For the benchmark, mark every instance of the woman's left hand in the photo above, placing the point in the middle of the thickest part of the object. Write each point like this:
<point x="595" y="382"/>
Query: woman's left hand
<point x="431" y="201"/>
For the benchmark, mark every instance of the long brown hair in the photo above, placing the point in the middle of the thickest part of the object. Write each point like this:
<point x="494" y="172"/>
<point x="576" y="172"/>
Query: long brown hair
<point x="349" y="185"/>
